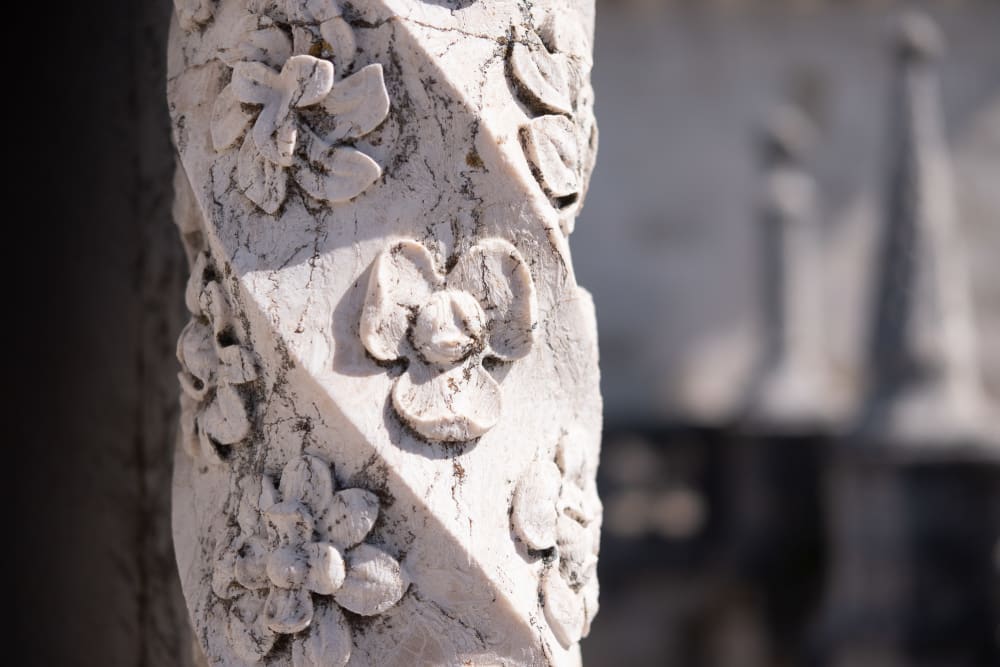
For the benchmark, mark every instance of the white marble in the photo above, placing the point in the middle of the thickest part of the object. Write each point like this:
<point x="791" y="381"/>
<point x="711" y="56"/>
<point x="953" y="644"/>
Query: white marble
<point x="391" y="412"/>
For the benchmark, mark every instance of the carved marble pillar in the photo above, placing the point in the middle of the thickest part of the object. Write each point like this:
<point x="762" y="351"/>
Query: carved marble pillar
<point x="391" y="414"/>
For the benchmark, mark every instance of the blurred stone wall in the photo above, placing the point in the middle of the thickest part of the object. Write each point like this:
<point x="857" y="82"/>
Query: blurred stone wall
<point x="666" y="241"/>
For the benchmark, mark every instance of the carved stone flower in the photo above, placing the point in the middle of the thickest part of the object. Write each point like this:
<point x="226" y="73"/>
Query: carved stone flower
<point x="445" y="325"/>
<point x="300" y="117"/>
<point x="301" y="540"/>
<point x="550" y="71"/>
<point x="214" y="365"/>
<point x="557" y="514"/>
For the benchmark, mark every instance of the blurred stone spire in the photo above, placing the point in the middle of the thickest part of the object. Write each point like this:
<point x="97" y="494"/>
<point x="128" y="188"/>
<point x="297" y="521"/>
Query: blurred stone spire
<point x="925" y="389"/>
<point x="788" y="391"/>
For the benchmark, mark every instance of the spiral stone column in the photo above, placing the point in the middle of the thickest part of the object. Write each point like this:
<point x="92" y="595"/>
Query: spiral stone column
<point x="391" y="415"/>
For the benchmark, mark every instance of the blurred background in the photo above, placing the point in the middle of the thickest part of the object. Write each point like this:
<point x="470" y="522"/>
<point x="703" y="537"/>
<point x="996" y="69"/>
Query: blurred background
<point x="766" y="500"/>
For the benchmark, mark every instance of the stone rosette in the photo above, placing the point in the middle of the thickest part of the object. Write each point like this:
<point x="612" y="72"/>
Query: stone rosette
<point x="298" y="560"/>
<point x="445" y="325"/>
<point x="556" y="513"/>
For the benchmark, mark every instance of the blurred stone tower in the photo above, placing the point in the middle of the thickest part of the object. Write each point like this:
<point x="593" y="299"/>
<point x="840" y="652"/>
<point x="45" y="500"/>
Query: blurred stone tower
<point x="914" y="493"/>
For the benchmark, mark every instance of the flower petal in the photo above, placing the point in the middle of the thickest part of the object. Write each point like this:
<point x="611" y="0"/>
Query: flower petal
<point x="307" y="79"/>
<point x="215" y="306"/>
<point x="349" y="517"/>
<point x="456" y="405"/>
<point x="542" y="77"/>
<point x="288" y="567"/>
<point x="276" y="134"/>
<point x="223" y="570"/>
<point x="268" y="494"/>
<point x="263" y="182"/>
<point x="250" y="567"/>
<point x="336" y="173"/>
<point x="534" y="508"/>
<point x="192" y="291"/>
<point x="551" y="147"/>
<point x="339" y="34"/>
<point x="307" y="479"/>
<point x="290" y="522"/>
<point x="323" y="10"/>
<point x="495" y="273"/>
<point x="326" y="568"/>
<point x="248" y="634"/>
<point x="288" y="610"/>
<point x="238" y="365"/>
<point x="254" y="83"/>
<point x="196" y="352"/>
<point x="225" y="417"/>
<point x="575" y="550"/>
<point x="207" y="451"/>
<point x="563" y="608"/>
<point x="402" y="279"/>
<point x="229" y="120"/>
<point x="358" y="104"/>
<point x="257" y="39"/>
<point x="374" y="581"/>
<point x="328" y="643"/>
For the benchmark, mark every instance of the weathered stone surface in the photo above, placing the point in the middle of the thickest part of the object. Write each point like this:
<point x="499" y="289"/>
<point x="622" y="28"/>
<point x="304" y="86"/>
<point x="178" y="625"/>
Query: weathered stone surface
<point x="386" y="334"/>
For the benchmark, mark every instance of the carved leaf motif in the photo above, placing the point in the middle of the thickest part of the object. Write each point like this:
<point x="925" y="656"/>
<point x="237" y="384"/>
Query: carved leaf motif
<point x="225" y="418"/>
<point x="349" y="518"/>
<point x="455" y="405"/>
<point x="374" y="581"/>
<point x="248" y="632"/>
<point x="257" y="39"/>
<point x="337" y="173"/>
<point x="542" y="76"/>
<point x="328" y="643"/>
<point x="307" y="479"/>
<point x="326" y="568"/>
<point x="287" y="611"/>
<point x="495" y="273"/>
<point x="229" y="120"/>
<point x="534" y="513"/>
<point x="550" y="144"/>
<point x="403" y="277"/>
<point x="562" y="607"/>
<point x="358" y="104"/>
<point x="262" y="181"/>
